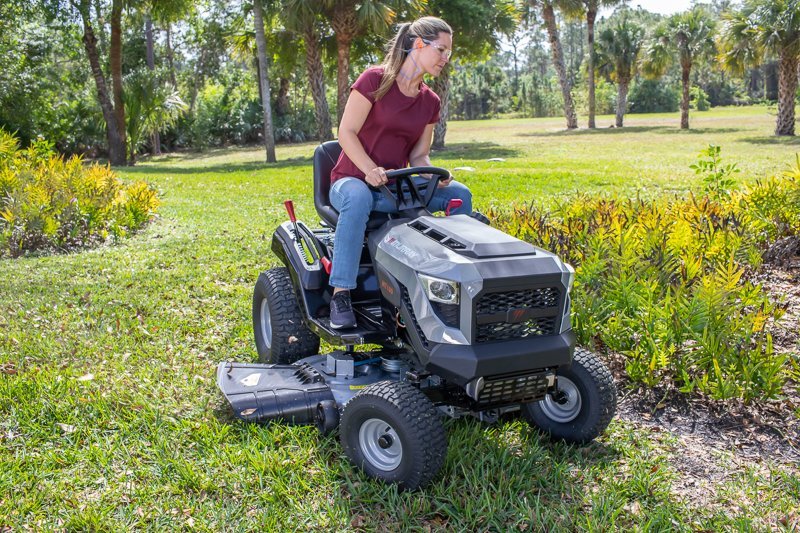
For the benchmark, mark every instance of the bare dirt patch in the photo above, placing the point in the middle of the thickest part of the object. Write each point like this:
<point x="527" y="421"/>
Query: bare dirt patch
<point x="719" y="440"/>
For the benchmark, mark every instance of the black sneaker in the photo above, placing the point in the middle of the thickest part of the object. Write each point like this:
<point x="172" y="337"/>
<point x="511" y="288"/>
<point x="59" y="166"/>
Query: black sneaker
<point x="342" y="315"/>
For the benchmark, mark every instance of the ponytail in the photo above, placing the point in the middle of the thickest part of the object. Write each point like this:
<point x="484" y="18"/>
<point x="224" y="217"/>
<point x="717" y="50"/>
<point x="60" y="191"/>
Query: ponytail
<point x="427" y="28"/>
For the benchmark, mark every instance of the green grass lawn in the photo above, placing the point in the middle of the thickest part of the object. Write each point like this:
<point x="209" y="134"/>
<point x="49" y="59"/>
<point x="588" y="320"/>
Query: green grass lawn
<point x="110" y="417"/>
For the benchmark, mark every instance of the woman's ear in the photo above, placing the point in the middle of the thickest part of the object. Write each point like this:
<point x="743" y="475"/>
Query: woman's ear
<point x="418" y="43"/>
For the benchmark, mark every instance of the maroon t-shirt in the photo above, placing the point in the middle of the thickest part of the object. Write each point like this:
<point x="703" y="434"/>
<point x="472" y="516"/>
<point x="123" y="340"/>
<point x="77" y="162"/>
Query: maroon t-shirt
<point x="393" y="125"/>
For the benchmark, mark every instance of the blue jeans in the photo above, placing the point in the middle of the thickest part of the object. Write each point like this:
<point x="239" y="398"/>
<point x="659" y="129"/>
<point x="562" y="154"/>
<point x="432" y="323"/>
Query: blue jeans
<point x="354" y="201"/>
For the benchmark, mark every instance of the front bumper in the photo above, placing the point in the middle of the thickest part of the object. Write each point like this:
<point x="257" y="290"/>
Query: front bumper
<point x="463" y="363"/>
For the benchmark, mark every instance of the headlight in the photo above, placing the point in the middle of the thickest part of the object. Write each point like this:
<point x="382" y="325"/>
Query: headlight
<point x="440" y="290"/>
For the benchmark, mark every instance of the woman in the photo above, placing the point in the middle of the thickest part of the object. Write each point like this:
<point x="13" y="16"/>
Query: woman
<point x="387" y="124"/>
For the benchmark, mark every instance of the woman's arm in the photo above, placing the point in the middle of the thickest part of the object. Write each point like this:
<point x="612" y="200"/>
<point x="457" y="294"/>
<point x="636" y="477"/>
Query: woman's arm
<point x="355" y="113"/>
<point x="421" y="153"/>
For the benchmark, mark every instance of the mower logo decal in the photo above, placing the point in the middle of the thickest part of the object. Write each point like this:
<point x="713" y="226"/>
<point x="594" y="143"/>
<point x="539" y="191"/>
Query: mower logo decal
<point x="400" y="247"/>
<point x="386" y="286"/>
<point x="357" y="387"/>
<point x="516" y="315"/>
<point x="251" y="380"/>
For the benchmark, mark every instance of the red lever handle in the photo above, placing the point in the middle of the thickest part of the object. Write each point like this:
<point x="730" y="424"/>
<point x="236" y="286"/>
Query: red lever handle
<point x="289" y="205"/>
<point x="455" y="203"/>
<point x="326" y="264"/>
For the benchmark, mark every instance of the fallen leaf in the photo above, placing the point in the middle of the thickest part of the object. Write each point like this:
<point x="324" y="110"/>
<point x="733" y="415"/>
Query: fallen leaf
<point x="86" y="377"/>
<point x="293" y="339"/>
<point x="66" y="428"/>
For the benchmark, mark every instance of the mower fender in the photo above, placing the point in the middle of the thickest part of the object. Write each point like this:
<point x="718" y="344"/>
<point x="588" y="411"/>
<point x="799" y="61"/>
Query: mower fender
<point x="312" y="275"/>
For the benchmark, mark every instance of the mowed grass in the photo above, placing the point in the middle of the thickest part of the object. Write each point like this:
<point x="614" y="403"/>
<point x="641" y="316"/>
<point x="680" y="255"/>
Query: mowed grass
<point x="110" y="417"/>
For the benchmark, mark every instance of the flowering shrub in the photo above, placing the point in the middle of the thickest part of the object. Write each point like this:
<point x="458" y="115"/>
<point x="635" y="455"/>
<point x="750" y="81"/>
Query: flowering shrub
<point x="51" y="203"/>
<point x="664" y="282"/>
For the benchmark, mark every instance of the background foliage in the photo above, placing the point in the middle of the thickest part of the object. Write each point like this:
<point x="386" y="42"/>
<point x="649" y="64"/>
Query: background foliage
<point x="207" y="49"/>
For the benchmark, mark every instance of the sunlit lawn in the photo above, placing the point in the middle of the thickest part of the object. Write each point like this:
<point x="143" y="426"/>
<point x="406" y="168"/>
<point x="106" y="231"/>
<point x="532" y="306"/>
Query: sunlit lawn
<point x="110" y="417"/>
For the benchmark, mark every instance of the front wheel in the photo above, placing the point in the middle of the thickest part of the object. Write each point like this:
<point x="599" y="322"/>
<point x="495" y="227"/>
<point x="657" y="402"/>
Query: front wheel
<point x="393" y="432"/>
<point x="584" y="404"/>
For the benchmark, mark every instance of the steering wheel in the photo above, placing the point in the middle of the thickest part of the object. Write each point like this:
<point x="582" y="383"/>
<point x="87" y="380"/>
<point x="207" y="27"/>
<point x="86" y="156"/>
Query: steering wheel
<point x="406" y="194"/>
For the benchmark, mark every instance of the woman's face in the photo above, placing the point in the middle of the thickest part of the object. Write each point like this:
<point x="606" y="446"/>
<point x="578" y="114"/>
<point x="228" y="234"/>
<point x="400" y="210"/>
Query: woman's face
<point x="435" y="54"/>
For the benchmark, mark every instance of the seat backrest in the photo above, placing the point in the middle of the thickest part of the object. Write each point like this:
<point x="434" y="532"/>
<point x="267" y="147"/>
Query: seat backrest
<point x="325" y="157"/>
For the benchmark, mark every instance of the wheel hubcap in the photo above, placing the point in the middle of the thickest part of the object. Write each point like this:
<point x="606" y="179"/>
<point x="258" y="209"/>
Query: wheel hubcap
<point x="566" y="405"/>
<point x="380" y="444"/>
<point x="266" y="323"/>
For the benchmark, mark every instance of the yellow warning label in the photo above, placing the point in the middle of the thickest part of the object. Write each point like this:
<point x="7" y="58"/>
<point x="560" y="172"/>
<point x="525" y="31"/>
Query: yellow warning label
<point x="357" y="387"/>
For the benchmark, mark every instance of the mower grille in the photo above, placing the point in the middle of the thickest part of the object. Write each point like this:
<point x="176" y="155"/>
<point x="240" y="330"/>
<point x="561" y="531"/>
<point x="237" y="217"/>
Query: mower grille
<point x="447" y="313"/>
<point x="513" y="389"/>
<point x="517" y="314"/>
<point x="505" y="330"/>
<point x="500" y="302"/>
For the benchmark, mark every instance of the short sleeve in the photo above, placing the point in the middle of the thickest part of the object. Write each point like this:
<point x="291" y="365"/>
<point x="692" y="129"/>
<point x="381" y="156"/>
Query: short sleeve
<point x="368" y="83"/>
<point x="437" y="106"/>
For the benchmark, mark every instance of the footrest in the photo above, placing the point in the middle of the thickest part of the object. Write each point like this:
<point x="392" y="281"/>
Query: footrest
<point x="264" y="392"/>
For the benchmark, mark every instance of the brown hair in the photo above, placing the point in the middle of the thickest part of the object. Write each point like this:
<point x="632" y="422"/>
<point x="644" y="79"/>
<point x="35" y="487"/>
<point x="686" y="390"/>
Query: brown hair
<point x="427" y="28"/>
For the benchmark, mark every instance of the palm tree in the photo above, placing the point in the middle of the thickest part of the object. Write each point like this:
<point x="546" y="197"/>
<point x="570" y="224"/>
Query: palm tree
<point x="349" y="18"/>
<point x="263" y="80"/>
<point x="761" y="28"/>
<point x="303" y="17"/>
<point x="689" y="36"/>
<point x="617" y="51"/>
<point x="151" y="105"/>
<point x="477" y="29"/>
<point x="549" y="16"/>
<point x="591" y="7"/>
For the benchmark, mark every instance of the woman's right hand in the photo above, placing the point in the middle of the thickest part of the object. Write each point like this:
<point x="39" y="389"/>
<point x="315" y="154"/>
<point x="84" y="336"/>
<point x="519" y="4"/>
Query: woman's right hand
<point x="376" y="177"/>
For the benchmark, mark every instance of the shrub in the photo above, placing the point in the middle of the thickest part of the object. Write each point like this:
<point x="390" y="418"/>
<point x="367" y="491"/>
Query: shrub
<point x="653" y="96"/>
<point x="665" y="281"/>
<point x="698" y="99"/>
<point x="51" y="203"/>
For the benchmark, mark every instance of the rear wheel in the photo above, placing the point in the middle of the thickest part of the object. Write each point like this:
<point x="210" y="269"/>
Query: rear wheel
<point x="393" y="432"/>
<point x="280" y="334"/>
<point x="584" y="404"/>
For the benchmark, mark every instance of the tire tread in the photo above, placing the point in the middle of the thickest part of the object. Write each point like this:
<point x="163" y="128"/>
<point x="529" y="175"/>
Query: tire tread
<point x="286" y="319"/>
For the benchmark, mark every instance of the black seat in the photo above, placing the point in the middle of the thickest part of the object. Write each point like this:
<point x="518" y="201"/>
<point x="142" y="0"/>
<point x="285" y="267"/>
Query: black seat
<point x="325" y="157"/>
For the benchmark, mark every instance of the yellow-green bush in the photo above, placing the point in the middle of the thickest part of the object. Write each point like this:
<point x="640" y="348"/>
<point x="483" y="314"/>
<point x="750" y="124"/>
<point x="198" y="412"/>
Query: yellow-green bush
<point x="51" y="203"/>
<point x="665" y="281"/>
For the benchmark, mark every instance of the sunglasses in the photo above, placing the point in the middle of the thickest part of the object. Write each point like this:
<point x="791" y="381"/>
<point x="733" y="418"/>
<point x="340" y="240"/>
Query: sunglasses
<point x="443" y="51"/>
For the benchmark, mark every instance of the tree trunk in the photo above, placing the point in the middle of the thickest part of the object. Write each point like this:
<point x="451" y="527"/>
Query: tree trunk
<point x="148" y="42"/>
<point x="558" y="62"/>
<point x="115" y="62"/>
<point x="787" y="87"/>
<point x="199" y="79"/>
<point x="342" y="76"/>
<point x="591" y="15"/>
<point x="170" y="57"/>
<point x="116" y="145"/>
<point x="441" y="86"/>
<point x="101" y="25"/>
<point x="282" y="103"/>
<point x="155" y="139"/>
<point x="686" y="69"/>
<point x="316" y="80"/>
<point x="622" y="100"/>
<point x="344" y="23"/>
<point x="261" y="44"/>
